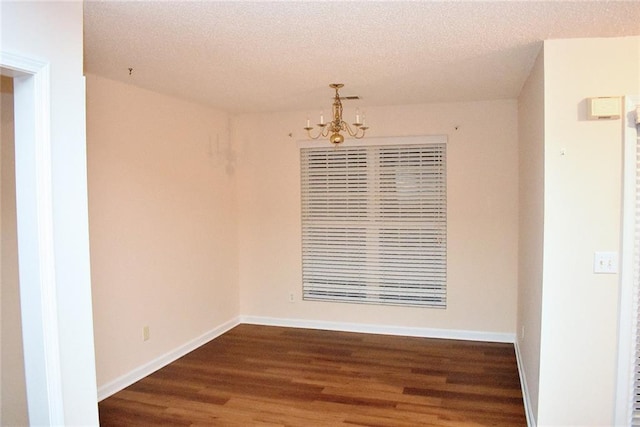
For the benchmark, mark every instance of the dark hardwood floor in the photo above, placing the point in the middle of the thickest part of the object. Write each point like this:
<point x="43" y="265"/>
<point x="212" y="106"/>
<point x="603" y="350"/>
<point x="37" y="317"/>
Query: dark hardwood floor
<point x="270" y="376"/>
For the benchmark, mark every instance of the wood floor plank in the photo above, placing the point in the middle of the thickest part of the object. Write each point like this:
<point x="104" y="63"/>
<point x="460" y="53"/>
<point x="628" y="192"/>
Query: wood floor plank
<point x="271" y="376"/>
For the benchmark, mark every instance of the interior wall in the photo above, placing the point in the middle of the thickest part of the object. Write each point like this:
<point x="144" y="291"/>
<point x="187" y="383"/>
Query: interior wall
<point x="582" y="199"/>
<point x="53" y="32"/>
<point x="531" y="226"/>
<point x="163" y="223"/>
<point x="13" y="395"/>
<point x="482" y="186"/>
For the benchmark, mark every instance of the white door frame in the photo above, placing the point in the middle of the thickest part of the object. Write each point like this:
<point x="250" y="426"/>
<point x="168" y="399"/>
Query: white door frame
<point x="36" y="263"/>
<point x="628" y="310"/>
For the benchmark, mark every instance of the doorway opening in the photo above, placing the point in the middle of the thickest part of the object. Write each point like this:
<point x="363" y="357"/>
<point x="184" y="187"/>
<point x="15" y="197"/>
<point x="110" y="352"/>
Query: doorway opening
<point x="13" y="395"/>
<point x="34" y="214"/>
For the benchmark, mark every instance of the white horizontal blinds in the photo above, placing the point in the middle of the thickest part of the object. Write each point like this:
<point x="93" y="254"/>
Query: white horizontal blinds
<point x="334" y="226"/>
<point x="374" y="224"/>
<point x="636" y="286"/>
<point x="410" y="206"/>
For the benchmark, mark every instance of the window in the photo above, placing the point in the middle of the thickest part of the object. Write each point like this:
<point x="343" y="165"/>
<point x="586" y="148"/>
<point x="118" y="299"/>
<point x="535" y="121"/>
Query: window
<point x="374" y="224"/>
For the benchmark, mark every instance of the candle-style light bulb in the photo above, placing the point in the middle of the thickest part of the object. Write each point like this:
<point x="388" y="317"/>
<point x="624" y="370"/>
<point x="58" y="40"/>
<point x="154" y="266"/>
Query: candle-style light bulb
<point x="321" y="117"/>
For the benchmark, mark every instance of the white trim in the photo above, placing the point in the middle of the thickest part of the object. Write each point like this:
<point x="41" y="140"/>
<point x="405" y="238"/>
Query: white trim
<point x="626" y="336"/>
<point x="365" y="142"/>
<point x="528" y="409"/>
<point x="381" y="329"/>
<point x="140" y="372"/>
<point x="35" y="238"/>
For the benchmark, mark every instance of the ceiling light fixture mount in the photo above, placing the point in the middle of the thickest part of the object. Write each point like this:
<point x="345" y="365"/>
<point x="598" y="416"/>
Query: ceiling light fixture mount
<point x="337" y="125"/>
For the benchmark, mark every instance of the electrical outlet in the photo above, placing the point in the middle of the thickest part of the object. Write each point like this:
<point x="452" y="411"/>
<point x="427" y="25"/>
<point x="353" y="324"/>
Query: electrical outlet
<point x="292" y="297"/>
<point x="145" y="333"/>
<point x="605" y="262"/>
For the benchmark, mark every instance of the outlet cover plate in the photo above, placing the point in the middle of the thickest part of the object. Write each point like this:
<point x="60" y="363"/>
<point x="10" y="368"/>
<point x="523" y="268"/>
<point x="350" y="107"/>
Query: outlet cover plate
<point x="605" y="262"/>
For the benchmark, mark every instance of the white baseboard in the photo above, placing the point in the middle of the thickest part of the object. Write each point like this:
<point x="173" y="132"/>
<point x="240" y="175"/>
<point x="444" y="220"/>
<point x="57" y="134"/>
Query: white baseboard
<point x="162" y="361"/>
<point x="137" y="374"/>
<point x="381" y="329"/>
<point x="528" y="410"/>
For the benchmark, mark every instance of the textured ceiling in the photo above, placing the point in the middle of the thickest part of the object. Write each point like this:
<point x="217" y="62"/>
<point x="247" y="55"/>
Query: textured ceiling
<point x="281" y="56"/>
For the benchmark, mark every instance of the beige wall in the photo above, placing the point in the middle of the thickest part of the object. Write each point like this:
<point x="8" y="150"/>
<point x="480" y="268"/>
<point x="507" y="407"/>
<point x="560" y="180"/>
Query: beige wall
<point x="482" y="216"/>
<point x="162" y="220"/>
<point x="582" y="215"/>
<point x="13" y="395"/>
<point x="531" y="225"/>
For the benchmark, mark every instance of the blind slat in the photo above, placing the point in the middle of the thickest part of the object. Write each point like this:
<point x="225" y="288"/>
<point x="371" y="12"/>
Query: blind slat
<point x="635" y="421"/>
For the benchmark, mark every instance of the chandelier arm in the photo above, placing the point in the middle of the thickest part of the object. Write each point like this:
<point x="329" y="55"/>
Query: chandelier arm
<point x="322" y="132"/>
<point x="347" y="128"/>
<point x="352" y="133"/>
<point x="311" y="136"/>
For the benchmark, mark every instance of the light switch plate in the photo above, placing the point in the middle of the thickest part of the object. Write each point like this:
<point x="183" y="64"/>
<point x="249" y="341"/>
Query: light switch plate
<point x="605" y="262"/>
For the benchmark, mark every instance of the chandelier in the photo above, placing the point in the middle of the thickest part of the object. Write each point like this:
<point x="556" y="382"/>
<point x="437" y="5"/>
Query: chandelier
<point x="337" y="125"/>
